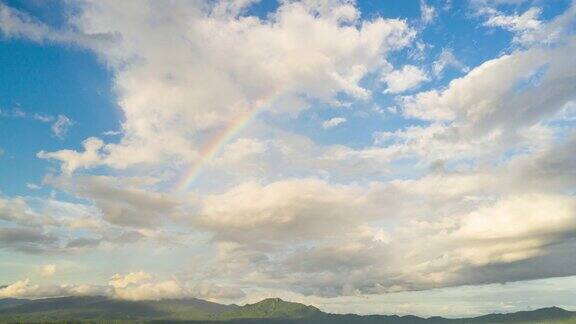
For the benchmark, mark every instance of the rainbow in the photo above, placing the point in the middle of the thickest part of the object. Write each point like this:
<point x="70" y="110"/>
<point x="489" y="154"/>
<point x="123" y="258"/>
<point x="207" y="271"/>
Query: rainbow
<point x="213" y="147"/>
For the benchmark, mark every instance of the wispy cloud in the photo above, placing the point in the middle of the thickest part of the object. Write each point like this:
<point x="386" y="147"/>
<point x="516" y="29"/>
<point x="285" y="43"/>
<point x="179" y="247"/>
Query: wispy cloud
<point x="333" y="122"/>
<point x="61" y="126"/>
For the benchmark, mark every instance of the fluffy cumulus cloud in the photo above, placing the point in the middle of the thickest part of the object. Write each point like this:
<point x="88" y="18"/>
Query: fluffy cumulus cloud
<point x="288" y="210"/>
<point x="138" y="285"/>
<point x="25" y="289"/>
<point x="407" y="78"/>
<point x="470" y="181"/>
<point x="142" y="286"/>
<point x="235" y="64"/>
<point x="453" y="228"/>
<point x="501" y="100"/>
<point x="72" y="160"/>
<point x="449" y="240"/>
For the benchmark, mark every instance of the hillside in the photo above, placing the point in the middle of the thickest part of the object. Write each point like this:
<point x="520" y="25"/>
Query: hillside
<point x="102" y="308"/>
<point x="272" y="310"/>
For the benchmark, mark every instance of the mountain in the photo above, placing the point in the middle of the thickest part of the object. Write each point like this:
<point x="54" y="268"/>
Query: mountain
<point x="539" y="315"/>
<point x="273" y="308"/>
<point x="12" y="302"/>
<point x="97" y="309"/>
<point x="103" y="308"/>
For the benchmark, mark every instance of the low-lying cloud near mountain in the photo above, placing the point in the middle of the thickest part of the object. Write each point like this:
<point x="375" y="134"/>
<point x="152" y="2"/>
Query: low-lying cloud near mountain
<point x="131" y="286"/>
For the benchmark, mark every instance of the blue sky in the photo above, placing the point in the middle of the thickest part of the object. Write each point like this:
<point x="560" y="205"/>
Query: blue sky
<point x="331" y="152"/>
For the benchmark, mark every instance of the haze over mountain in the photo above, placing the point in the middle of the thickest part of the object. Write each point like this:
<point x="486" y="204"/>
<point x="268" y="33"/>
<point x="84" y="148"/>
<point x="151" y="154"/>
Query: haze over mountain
<point x="272" y="310"/>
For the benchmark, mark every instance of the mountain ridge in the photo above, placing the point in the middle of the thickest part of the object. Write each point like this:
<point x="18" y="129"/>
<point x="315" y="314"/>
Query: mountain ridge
<point x="191" y="310"/>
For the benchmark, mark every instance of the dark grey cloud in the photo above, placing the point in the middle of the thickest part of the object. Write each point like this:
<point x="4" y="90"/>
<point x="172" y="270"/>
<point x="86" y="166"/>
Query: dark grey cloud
<point x="27" y="240"/>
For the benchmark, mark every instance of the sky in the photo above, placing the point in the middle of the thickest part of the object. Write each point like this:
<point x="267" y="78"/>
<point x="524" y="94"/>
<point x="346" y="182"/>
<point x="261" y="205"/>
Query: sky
<point x="407" y="157"/>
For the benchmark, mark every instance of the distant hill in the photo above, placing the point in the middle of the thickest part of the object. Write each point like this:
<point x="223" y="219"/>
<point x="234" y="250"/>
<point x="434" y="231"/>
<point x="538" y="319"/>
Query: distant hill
<point x="539" y="315"/>
<point x="97" y="309"/>
<point x="273" y="308"/>
<point x="103" y="308"/>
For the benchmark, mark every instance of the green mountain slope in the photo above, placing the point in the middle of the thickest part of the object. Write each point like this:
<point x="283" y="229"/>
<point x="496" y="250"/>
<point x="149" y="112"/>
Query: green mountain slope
<point x="12" y="302"/>
<point x="539" y="315"/>
<point x="273" y="310"/>
<point x="102" y="308"/>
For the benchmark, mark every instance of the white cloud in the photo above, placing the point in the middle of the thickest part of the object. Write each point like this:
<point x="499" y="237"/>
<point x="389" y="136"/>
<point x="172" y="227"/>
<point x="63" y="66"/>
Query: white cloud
<point x="528" y="28"/>
<point x="516" y="23"/>
<point x="131" y="286"/>
<point x="524" y="25"/>
<point x="123" y="281"/>
<point x="333" y="122"/>
<point x="143" y="286"/>
<point x="152" y="291"/>
<point x="72" y="160"/>
<point x="32" y="186"/>
<point x="479" y="97"/>
<point x="541" y="215"/>
<point x="409" y="77"/>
